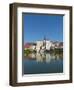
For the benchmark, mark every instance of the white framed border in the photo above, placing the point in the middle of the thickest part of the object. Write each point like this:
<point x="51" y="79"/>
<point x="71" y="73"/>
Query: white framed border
<point x="45" y="77"/>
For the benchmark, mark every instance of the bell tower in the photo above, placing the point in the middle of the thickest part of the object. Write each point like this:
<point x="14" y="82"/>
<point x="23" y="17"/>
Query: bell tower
<point x="44" y="42"/>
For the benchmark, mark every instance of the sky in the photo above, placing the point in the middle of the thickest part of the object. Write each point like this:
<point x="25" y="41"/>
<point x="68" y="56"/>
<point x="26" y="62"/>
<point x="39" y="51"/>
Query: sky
<point x="37" y="26"/>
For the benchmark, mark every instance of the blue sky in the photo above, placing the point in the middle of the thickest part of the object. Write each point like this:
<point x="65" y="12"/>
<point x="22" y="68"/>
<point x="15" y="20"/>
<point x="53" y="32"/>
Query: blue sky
<point x="37" y="26"/>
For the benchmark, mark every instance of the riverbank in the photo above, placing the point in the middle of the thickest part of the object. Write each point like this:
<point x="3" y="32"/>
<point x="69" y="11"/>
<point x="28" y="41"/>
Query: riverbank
<point x="55" y="51"/>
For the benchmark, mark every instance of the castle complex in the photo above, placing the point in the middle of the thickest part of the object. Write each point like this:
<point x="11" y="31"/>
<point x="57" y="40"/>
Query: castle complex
<point x="42" y="45"/>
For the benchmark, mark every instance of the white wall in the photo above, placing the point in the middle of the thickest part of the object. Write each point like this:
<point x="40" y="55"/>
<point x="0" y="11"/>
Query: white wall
<point x="4" y="46"/>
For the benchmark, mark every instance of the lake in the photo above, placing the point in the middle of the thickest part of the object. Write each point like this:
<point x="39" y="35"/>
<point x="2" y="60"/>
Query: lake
<point x="36" y="63"/>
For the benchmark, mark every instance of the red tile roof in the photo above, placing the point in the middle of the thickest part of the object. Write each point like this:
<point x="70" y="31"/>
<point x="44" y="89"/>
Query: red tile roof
<point x="27" y="45"/>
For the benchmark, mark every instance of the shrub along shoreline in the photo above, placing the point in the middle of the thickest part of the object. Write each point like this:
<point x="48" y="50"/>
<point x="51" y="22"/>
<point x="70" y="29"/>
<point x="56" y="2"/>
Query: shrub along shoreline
<point x="56" y="51"/>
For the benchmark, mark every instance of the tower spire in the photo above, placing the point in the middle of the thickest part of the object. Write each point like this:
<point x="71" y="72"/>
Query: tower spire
<point x="44" y="42"/>
<point x="45" y="38"/>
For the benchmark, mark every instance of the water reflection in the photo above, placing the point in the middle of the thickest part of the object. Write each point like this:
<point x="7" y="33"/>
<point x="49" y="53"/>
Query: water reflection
<point x="44" y="57"/>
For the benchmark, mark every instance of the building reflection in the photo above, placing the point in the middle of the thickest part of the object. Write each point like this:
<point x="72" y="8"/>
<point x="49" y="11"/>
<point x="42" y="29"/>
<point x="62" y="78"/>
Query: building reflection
<point x="44" y="57"/>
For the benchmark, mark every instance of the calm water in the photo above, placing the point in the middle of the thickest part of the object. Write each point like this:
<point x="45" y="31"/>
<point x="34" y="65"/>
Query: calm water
<point x="42" y="63"/>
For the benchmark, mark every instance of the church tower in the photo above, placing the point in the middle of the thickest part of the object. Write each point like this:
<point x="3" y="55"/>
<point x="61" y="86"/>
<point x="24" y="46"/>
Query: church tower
<point x="44" y="42"/>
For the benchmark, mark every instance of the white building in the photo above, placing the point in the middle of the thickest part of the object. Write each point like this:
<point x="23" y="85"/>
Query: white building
<point x="41" y="45"/>
<point x="38" y="45"/>
<point x="48" y="44"/>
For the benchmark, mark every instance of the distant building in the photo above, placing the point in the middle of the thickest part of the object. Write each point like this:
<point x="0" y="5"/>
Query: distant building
<point x="27" y="46"/>
<point x="61" y="45"/>
<point x="48" y="44"/>
<point x="30" y="46"/>
<point x="39" y="44"/>
<point x="44" y="45"/>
